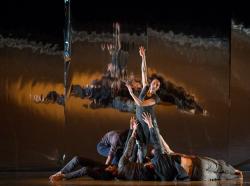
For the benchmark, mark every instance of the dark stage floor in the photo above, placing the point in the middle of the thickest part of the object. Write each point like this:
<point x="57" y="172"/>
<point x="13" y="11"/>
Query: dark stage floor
<point x="41" y="179"/>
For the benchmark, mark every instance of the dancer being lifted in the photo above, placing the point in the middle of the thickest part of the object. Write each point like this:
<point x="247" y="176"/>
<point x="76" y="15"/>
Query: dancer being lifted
<point x="146" y="101"/>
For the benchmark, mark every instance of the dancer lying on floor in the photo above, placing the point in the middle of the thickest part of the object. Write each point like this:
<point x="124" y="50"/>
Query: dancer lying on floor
<point x="109" y="145"/>
<point x="196" y="167"/>
<point x="162" y="167"/>
<point x="88" y="167"/>
<point x="100" y="171"/>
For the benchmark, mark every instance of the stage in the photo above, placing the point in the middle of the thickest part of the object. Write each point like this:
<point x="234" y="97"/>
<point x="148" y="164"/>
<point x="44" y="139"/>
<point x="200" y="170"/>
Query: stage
<point x="41" y="179"/>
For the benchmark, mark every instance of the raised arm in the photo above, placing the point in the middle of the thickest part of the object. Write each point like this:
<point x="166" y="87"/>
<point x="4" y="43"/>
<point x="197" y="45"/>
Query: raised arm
<point x="131" y="123"/>
<point x="153" y="134"/>
<point x="131" y="141"/>
<point x="144" y="70"/>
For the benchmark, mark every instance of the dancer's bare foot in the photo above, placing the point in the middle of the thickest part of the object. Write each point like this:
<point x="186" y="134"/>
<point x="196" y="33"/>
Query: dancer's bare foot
<point x="56" y="177"/>
<point x="53" y="175"/>
<point x="239" y="173"/>
<point x="190" y="111"/>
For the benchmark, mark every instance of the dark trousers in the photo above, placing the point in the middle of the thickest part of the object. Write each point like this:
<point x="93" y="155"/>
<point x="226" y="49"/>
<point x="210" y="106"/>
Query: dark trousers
<point x="86" y="167"/>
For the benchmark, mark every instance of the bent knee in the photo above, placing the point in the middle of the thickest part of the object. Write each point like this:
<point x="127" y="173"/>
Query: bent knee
<point x="76" y="158"/>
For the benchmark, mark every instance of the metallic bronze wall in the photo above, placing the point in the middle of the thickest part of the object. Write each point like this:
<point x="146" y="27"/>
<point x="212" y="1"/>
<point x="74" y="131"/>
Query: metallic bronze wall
<point x="35" y="135"/>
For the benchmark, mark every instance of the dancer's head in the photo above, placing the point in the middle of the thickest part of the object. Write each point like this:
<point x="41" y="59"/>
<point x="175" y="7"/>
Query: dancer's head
<point x="149" y="165"/>
<point x="154" y="86"/>
<point x="112" y="169"/>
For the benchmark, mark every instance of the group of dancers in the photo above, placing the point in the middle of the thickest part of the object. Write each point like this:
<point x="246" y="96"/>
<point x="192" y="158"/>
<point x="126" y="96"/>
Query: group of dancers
<point x="141" y="153"/>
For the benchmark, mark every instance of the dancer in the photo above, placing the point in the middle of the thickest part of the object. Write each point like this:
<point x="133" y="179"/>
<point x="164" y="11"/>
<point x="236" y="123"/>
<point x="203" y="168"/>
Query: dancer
<point x="112" y="146"/>
<point x="88" y="167"/>
<point x="146" y="101"/>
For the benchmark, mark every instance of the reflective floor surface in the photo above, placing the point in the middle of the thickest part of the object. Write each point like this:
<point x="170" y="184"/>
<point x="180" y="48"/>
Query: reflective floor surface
<point x="41" y="179"/>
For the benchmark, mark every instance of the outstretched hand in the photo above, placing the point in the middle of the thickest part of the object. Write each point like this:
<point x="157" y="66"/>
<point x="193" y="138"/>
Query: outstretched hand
<point x="133" y="123"/>
<point x="129" y="87"/>
<point x="142" y="51"/>
<point x="133" y="126"/>
<point x="147" y="118"/>
<point x="110" y="46"/>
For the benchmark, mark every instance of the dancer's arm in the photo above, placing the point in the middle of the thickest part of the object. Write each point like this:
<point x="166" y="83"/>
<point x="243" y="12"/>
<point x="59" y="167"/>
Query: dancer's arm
<point x="165" y="145"/>
<point x="153" y="134"/>
<point x="118" y="36"/>
<point x="143" y="66"/>
<point x="131" y="123"/>
<point x="131" y="142"/>
<point x="108" y="160"/>
<point x="113" y="147"/>
<point x="144" y="103"/>
<point x="129" y="146"/>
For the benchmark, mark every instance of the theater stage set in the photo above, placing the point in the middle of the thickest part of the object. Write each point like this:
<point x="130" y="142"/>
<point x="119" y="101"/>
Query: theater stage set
<point x="55" y="103"/>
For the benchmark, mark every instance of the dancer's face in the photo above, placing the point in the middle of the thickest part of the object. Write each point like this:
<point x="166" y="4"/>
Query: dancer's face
<point x="149" y="165"/>
<point x="112" y="169"/>
<point x="154" y="86"/>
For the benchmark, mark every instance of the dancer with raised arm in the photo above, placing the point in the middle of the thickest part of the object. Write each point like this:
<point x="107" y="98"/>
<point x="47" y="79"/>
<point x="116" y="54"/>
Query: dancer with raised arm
<point x="146" y="101"/>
